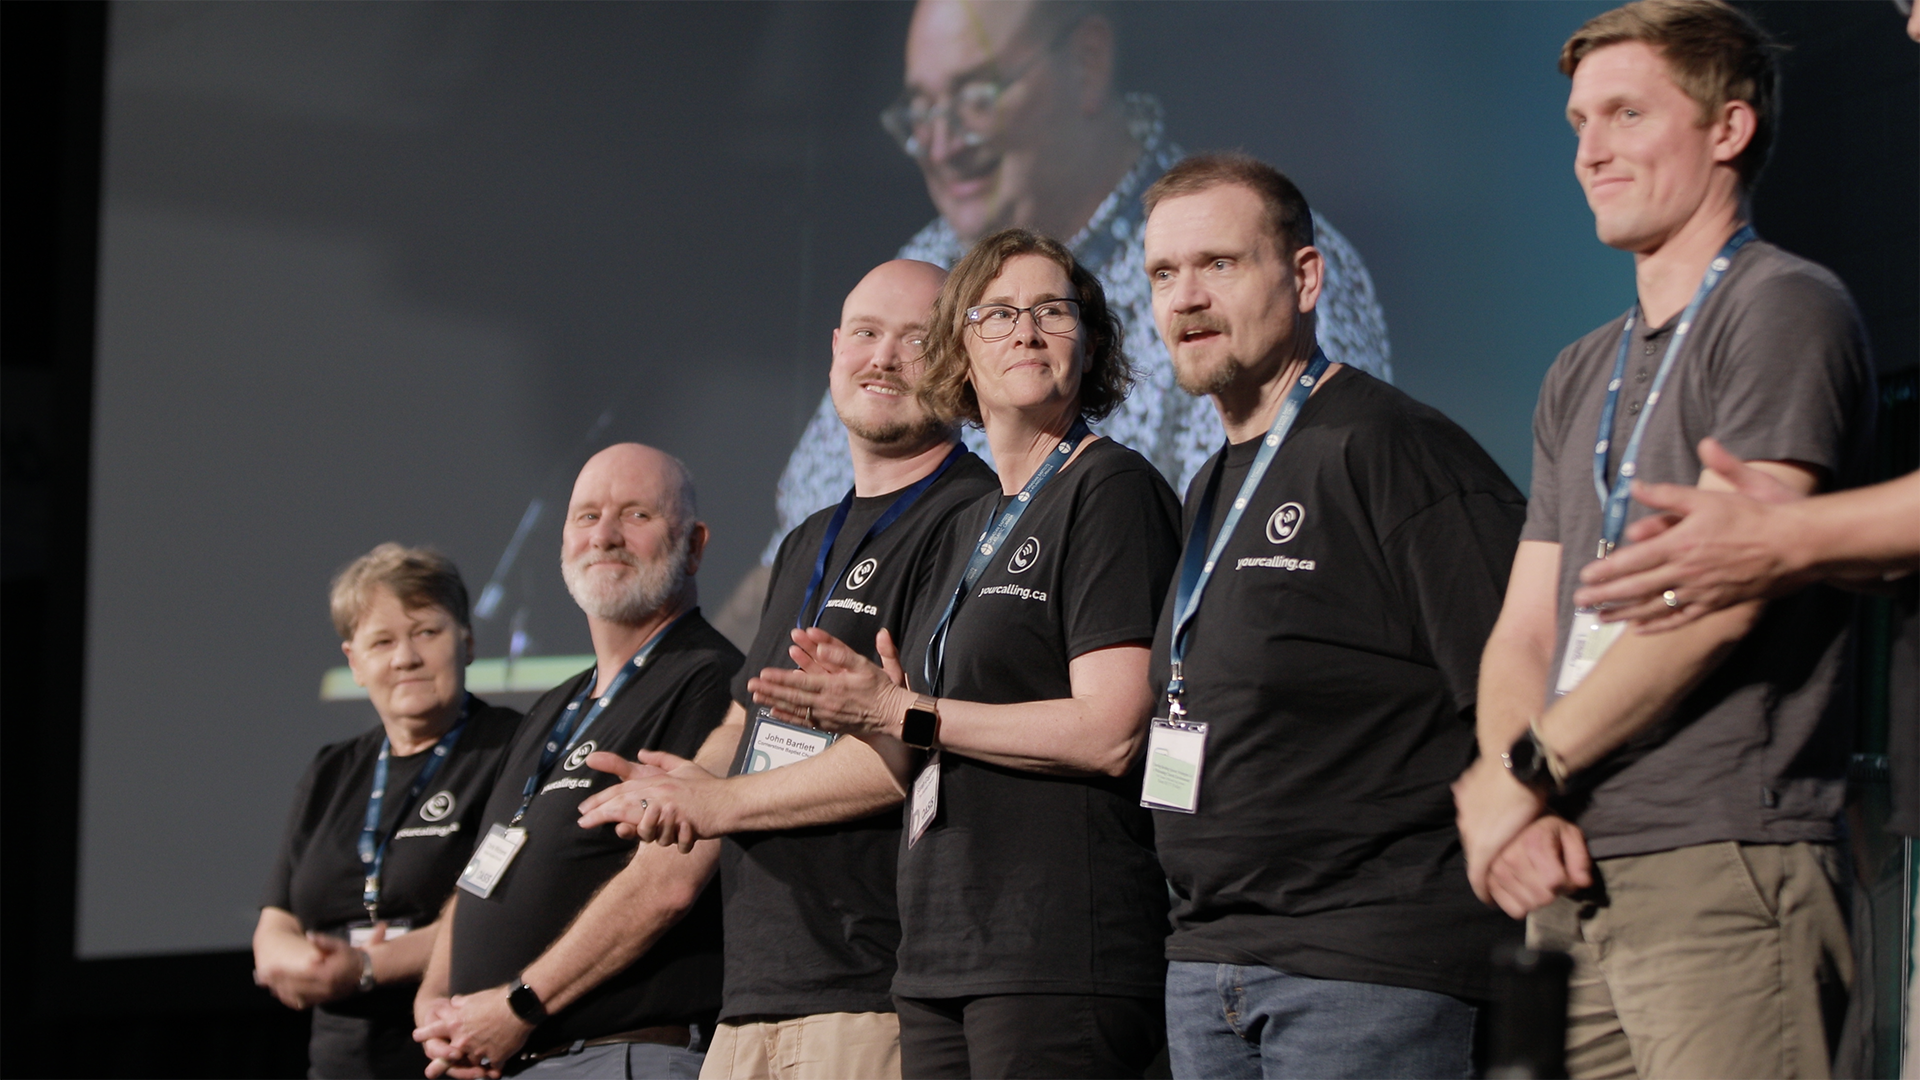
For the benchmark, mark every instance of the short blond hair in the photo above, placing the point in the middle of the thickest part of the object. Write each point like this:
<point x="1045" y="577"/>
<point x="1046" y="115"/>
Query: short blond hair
<point x="1715" y="51"/>
<point x="419" y="576"/>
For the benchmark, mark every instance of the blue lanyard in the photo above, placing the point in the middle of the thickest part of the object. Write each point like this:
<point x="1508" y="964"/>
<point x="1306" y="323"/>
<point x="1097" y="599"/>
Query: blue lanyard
<point x="989" y="542"/>
<point x="1196" y="569"/>
<point x="900" y="505"/>
<point x="373" y="846"/>
<point x="1614" y="499"/>
<point x="566" y="732"/>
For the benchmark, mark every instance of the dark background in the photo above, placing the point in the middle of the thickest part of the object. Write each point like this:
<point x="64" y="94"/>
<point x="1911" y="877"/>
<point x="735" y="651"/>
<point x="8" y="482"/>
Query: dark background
<point x="511" y="262"/>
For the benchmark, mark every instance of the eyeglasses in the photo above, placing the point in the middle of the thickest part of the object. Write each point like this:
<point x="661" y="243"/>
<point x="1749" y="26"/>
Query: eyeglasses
<point x="995" y="321"/>
<point x="967" y="109"/>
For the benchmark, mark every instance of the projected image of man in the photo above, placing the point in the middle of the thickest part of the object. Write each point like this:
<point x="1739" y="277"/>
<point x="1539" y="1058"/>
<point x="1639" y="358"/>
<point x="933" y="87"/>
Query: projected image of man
<point x="570" y="953"/>
<point x="1011" y="112"/>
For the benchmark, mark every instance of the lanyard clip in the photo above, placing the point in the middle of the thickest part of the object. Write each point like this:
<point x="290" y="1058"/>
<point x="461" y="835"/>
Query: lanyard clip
<point x="1605" y="549"/>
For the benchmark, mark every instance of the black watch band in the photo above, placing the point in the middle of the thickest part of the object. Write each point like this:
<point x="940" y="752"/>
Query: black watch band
<point x="1526" y="759"/>
<point x="922" y="724"/>
<point x="525" y="1003"/>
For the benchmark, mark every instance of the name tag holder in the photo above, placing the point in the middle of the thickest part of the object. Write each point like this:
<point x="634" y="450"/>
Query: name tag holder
<point x="491" y="859"/>
<point x="925" y="802"/>
<point x="1176" y="752"/>
<point x="775" y="743"/>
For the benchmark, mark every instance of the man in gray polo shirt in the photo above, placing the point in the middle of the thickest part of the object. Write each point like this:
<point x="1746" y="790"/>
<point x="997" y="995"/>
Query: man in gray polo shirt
<point x="1663" y="806"/>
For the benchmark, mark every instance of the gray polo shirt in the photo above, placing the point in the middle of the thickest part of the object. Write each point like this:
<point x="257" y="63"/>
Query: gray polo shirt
<point x="1776" y="368"/>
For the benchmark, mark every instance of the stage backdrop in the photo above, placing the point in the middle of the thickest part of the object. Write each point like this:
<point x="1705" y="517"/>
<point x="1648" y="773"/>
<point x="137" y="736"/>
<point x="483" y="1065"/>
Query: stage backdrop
<point x="389" y="272"/>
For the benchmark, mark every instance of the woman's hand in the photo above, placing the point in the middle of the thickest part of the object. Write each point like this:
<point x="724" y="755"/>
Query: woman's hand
<point x="837" y="689"/>
<point x="302" y="969"/>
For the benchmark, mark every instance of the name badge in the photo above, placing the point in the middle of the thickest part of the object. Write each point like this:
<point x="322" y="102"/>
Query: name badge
<point x="1175" y="751"/>
<point x="775" y="744"/>
<point x="926" y="799"/>
<point x="361" y="933"/>
<point x="1587" y="641"/>
<point x="491" y="860"/>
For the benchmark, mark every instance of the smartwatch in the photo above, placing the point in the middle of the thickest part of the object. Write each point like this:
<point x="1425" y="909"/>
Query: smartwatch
<point x="921" y="725"/>
<point x="1527" y="761"/>
<point x="525" y="1003"/>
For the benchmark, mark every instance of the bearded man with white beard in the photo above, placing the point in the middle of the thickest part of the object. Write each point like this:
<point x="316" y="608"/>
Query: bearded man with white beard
<point x="570" y="953"/>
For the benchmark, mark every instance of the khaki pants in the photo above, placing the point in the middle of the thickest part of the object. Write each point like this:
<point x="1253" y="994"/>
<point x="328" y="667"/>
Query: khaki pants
<point x="825" y="1046"/>
<point x="1722" y="960"/>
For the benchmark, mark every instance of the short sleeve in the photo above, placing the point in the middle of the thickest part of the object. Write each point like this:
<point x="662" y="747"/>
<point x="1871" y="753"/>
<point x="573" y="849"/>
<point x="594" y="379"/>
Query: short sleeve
<point x="1126" y="542"/>
<point x="1543" y="501"/>
<point x="699" y="707"/>
<point x="1789" y="382"/>
<point x="278" y="892"/>
<point x="1452" y="561"/>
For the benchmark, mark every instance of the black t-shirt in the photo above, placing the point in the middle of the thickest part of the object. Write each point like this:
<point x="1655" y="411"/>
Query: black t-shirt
<point x="1335" y="657"/>
<point x="1027" y="883"/>
<point x="812" y="924"/>
<point x="675" y="701"/>
<point x="318" y="875"/>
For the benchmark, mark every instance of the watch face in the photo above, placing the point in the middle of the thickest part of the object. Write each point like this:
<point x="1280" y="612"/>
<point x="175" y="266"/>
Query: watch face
<point x="917" y="729"/>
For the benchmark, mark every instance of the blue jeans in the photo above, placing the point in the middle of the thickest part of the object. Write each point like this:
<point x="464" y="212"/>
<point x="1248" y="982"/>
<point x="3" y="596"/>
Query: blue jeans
<point x="1228" y="1021"/>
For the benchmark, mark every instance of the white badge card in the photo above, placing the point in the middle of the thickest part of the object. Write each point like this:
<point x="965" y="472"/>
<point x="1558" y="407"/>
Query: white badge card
<point x="926" y="799"/>
<point x="491" y="860"/>
<point x="1176" y="750"/>
<point x="1587" y="641"/>
<point x="360" y="934"/>
<point x="775" y="744"/>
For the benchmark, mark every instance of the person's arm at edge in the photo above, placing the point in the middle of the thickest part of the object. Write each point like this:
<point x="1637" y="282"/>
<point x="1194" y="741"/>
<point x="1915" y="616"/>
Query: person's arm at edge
<point x="1758" y="546"/>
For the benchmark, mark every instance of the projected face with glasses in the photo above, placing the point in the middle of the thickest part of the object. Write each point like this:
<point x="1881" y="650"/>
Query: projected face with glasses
<point x="1008" y="108"/>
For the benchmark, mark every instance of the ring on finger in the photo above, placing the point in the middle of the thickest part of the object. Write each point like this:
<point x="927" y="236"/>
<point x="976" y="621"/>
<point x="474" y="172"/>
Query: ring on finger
<point x="807" y="717"/>
<point x="1671" y="599"/>
<point x="643" y="804"/>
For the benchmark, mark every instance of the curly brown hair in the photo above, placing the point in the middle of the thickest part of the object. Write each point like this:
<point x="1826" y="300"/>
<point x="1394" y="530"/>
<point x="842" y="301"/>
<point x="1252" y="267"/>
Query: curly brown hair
<point x="946" y="386"/>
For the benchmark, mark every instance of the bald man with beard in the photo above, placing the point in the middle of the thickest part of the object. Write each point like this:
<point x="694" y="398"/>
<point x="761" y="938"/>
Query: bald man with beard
<point x="570" y="953"/>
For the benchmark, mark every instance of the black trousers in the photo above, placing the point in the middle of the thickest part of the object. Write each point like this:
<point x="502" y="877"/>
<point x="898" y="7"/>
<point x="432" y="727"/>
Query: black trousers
<point x="1028" y="1036"/>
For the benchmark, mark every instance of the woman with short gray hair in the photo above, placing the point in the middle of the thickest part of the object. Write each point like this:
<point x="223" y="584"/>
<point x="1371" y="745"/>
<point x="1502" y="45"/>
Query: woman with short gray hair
<point x="382" y="823"/>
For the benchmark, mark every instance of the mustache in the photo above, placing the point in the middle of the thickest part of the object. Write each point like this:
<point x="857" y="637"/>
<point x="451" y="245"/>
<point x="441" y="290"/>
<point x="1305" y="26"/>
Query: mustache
<point x="1194" y="322"/>
<point x="610" y="555"/>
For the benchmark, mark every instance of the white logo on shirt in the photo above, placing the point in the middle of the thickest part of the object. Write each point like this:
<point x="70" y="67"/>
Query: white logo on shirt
<point x="1285" y="523"/>
<point x="579" y="755"/>
<point x="1025" y="555"/>
<point x="437" y="807"/>
<point x="862" y="573"/>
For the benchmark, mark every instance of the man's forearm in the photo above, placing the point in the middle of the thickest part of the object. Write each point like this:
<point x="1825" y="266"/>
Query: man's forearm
<point x="1638" y="682"/>
<point x="846" y="781"/>
<point x="622" y="921"/>
<point x="1513" y="690"/>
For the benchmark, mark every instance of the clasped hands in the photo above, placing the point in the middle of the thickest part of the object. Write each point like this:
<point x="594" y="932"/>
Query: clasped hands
<point x="326" y="969"/>
<point x="668" y="800"/>
<point x="469" y="1036"/>
<point x="1519" y="857"/>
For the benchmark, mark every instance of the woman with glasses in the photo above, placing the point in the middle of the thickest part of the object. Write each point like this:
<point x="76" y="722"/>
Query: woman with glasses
<point x="1032" y="908"/>
<point x="382" y="823"/>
